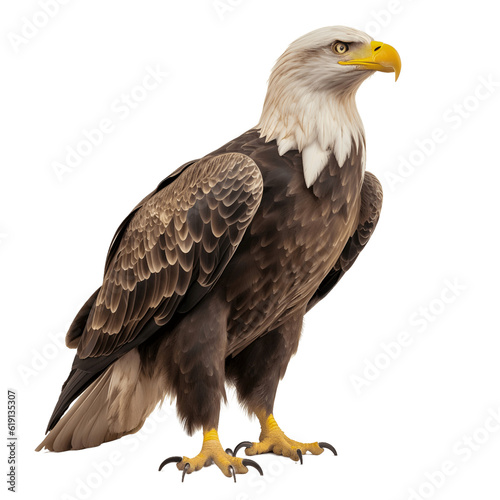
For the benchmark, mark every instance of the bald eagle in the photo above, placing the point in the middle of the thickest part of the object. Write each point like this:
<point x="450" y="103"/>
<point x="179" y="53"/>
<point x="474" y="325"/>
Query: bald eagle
<point x="208" y="279"/>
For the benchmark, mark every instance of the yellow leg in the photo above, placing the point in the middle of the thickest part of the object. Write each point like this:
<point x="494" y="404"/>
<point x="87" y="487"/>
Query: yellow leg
<point x="212" y="453"/>
<point x="274" y="440"/>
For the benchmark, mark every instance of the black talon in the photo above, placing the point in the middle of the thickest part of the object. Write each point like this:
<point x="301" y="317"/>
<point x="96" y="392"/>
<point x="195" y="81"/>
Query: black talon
<point x="245" y="444"/>
<point x="231" y="469"/>
<point x="229" y="451"/>
<point x="247" y="462"/>
<point x="169" y="461"/>
<point x="299" y="453"/>
<point x="186" y="467"/>
<point x="328" y="446"/>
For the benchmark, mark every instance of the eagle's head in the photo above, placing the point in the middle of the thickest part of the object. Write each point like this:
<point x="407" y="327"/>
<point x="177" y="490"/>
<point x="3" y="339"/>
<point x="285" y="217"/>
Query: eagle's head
<point x="310" y="102"/>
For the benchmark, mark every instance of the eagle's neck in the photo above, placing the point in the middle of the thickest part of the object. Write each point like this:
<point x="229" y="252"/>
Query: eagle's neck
<point x="317" y="124"/>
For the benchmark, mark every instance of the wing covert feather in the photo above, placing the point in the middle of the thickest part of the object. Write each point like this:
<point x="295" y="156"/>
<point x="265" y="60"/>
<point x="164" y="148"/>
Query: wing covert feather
<point x="179" y="238"/>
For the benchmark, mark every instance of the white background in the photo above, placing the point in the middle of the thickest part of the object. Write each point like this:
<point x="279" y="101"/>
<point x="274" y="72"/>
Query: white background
<point x="439" y="225"/>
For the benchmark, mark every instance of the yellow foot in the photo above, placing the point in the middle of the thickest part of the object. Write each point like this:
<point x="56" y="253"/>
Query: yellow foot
<point x="212" y="453"/>
<point x="274" y="440"/>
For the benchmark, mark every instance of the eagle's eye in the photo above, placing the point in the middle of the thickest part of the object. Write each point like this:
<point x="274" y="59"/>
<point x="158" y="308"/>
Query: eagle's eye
<point x="340" y="47"/>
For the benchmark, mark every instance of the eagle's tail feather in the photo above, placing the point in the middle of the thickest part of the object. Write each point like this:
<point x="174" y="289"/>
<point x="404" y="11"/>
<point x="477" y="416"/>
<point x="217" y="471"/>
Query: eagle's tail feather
<point x="115" y="404"/>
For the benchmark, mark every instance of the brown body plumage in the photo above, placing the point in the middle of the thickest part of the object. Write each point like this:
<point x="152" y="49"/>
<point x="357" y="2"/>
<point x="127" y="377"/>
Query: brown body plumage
<point x="207" y="282"/>
<point x="297" y="239"/>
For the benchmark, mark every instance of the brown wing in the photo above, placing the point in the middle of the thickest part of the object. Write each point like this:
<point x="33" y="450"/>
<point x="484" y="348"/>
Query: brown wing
<point x="168" y="255"/>
<point x="173" y="250"/>
<point x="371" y="205"/>
<point x="76" y="328"/>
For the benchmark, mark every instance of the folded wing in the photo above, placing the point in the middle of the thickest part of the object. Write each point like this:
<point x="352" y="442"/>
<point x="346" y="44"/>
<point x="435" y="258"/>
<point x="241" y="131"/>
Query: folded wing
<point x="163" y="261"/>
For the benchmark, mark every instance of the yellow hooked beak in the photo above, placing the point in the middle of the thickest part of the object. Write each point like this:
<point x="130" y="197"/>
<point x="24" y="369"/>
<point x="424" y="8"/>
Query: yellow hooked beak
<point x="377" y="56"/>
